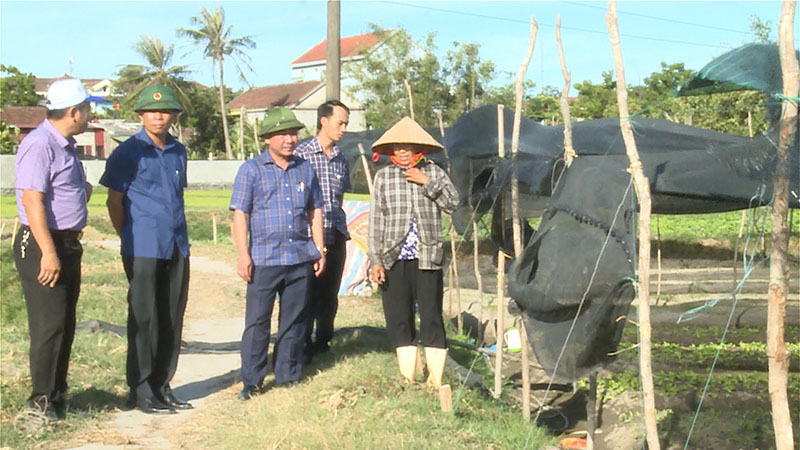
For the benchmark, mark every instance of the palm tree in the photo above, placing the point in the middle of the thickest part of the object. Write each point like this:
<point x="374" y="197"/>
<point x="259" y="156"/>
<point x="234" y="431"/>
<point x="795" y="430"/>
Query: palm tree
<point x="133" y="78"/>
<point x="212" y="33"/>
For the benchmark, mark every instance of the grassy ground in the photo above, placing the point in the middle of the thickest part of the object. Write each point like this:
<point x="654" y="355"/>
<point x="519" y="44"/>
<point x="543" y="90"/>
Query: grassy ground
<point x="97" y="384"/>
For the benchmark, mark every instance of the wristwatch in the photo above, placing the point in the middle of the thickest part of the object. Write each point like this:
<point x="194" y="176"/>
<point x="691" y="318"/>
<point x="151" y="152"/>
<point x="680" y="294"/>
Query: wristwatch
<point x="323" y="250"/>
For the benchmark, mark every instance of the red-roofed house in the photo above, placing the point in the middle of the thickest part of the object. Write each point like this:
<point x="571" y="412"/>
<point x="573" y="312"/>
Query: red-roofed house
<point x="307" y="92"/>
<point x="311" y="65"/>
<point x="26" y="118"/>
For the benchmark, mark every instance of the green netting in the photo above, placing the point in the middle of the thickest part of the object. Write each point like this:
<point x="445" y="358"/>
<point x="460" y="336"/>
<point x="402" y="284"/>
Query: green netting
<point x="750" y="67"/>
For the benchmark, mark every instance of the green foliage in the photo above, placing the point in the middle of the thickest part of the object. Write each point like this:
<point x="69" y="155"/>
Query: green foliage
<point x="214" y="36"/>
<point x="379" y="79"/>
<point x="761" y="29"/>
<point x="455" y="86"/>
<point x="9" y="139"/>
<point x="466" y="77"/>
<point x="596" y="101"/>
<point x="206" y="120"/>
<point x="133" y="78"/>
<point x="17" y="88"/>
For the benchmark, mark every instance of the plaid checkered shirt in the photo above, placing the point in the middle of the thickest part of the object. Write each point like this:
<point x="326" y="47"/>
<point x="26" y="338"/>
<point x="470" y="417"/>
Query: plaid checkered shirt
<point x="396" y="201"/>
<point x="279" y="203"/>
<point x="334" y="178"/>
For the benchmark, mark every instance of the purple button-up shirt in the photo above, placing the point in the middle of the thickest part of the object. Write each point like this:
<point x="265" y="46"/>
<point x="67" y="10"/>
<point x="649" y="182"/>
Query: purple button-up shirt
<point x="47" y="162"/>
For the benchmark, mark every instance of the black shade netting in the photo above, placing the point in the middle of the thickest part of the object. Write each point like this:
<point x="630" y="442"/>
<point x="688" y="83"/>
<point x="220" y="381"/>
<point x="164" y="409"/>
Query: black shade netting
<point x="574" y="280"/>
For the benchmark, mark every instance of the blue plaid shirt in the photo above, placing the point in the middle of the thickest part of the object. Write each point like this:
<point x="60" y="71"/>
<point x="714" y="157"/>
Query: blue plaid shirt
<point x="334" y="179"/>
<point x="279" y="203"/>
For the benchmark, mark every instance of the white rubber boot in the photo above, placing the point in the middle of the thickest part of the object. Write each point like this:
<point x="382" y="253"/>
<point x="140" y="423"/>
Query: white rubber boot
<point x="407" y="360"/>
<point x="435" y="358"/>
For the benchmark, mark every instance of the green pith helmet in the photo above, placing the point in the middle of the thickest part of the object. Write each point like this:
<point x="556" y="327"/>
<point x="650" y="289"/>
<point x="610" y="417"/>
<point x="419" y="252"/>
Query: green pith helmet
<point x="279" y="119"/>
<point x="158" y="97"/>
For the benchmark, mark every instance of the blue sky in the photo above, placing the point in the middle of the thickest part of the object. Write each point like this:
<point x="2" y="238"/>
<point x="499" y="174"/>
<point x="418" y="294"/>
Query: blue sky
<point x="42" y="37"/>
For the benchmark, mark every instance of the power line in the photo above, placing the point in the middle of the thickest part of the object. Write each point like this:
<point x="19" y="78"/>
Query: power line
<point x="584" y="30"/>
<point x="699" y="25"/>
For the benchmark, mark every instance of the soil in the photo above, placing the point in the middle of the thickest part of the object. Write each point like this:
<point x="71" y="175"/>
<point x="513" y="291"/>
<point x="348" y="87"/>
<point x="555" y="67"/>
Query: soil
<point x="215" y="316"/>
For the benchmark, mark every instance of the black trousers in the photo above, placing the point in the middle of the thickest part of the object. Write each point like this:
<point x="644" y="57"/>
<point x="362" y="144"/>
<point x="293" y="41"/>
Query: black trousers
<point x="324" y="300"/>
<point x="51" y="312"/>
<point x="291" y="283"/>
<point x="159" y="289"/>
<point x="405" y="284"/>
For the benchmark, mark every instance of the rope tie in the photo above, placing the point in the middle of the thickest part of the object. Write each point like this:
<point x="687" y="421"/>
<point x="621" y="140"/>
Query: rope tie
<point x="634" y="165"/>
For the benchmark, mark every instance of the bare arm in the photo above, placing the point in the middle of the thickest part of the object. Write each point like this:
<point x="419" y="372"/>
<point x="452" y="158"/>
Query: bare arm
<point x="244" y="265"/>
<point x="319" y="240"/>
<point x="115" y="209"/>
<point x="50" y="265"/>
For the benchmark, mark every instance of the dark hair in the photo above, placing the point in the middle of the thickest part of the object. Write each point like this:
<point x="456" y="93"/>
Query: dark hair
<point x="326" y="110"/>
<point x="58" y="114"/>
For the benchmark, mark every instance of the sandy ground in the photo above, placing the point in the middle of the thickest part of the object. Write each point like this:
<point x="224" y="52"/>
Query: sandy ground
<point x="215" y="314"/>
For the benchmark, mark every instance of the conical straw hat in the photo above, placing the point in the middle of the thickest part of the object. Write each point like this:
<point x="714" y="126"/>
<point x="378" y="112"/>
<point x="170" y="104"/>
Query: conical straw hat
<point x="406" y="131"/>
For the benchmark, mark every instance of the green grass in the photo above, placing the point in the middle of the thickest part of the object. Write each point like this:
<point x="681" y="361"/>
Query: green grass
<point x="356" y="400"/>
<point x="97" y="365"/>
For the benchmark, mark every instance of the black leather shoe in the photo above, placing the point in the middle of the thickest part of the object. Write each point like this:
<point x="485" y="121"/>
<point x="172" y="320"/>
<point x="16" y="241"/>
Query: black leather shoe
<point x="176" y="403"/>
<point x="247" y="392"/>
<point x="153" y="405"/>
<point x="288" y="384"/>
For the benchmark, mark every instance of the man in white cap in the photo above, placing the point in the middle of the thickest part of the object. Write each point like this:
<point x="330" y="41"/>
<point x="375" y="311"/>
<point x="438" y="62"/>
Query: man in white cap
<point x="52" y="193"/>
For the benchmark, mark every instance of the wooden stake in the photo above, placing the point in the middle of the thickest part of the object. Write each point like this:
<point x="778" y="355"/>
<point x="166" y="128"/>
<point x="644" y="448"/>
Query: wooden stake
<point x="501" y="267"/>
<point x="255" y="135"/>
<point x="591" y="412"/>
<point x="14" y="231"/>
<point x="569" y="152"/>
<point x="214" y="227"/>
<point x="410" y="99"/>
<point x="242" y="112"/>
<point x="779" y="270"/>
<point x="446" y="398"/>
<point x="365" y="164"/>
<point x="520" y="91"/>
<point x="643" y="194"/>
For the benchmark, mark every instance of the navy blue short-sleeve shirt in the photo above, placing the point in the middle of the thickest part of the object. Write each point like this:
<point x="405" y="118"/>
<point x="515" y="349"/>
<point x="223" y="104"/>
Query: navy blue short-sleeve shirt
<point x="152" y="181"/>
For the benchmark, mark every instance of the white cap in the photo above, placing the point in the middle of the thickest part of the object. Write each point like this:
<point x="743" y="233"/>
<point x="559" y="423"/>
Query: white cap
<point x="68" y="92"/>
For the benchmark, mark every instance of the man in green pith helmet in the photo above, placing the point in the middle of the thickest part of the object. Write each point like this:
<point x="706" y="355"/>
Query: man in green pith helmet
<point x="145" y="177"/>
<point x="277" y="199"/>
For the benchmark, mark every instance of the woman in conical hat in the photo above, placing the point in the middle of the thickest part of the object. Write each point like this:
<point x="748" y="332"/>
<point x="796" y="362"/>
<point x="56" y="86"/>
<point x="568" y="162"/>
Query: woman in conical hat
<point x="405" y="243"/>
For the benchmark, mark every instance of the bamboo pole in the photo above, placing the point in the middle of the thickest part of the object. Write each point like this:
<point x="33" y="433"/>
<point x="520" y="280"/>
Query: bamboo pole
<point x="520" y="94"/>
<point x="242" y="112"/>
<point x="569" y="151"/>
<point x="501" y="267"/>
<point x="14" y="231"/>
<point x="779" y="272"/>
<point x="255" y="135"/>
<point x="214" y="227"/>
<point x="365" y="164"/>
<point x="642" y="186"/>
<point x="453" y="250"/>
<point x="410" y="99"/>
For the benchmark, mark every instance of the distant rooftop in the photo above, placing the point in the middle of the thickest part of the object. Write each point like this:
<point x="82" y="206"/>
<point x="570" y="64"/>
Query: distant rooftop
<point x="348" y="47"/>
<point x="23" y="116"/>
<point x="266" y="97"/>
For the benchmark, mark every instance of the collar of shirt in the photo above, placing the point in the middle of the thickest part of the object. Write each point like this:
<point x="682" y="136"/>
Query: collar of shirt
<point x="60" y="139"/>
<point x="143" y="136"/>
<point x="266" y="158"/>
<point x="316" y="147"/>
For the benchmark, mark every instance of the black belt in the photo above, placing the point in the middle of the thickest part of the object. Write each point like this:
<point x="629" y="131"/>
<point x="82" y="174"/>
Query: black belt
<point x="60" y="234"/>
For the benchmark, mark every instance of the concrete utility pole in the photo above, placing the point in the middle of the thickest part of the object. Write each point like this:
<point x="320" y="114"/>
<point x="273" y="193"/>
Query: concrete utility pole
<point x="333" y="52"/>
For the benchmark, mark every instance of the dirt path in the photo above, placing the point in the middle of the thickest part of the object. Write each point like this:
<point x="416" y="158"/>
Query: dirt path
<point x="215" y="314"/>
